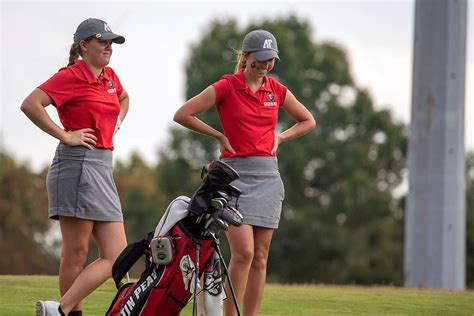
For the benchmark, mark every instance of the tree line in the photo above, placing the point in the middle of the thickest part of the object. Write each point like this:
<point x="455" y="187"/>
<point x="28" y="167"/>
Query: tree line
<point x="343" y="214"/>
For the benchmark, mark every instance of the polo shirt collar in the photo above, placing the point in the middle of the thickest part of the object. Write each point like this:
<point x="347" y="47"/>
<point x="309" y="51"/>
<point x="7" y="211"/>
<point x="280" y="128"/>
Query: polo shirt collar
<point x="105" y="74"/>
<point x="241" y="84"/>
<point x="266" y="85"/>
<point x="88" y="72"/>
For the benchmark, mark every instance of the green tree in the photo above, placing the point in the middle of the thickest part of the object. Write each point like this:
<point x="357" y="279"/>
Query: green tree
<point x="24" y="220"/>
<point x="142" y="200"/>
<point x="340" y="217"/>
<point x="178" y="170"/>
<point x="342" y="203"/>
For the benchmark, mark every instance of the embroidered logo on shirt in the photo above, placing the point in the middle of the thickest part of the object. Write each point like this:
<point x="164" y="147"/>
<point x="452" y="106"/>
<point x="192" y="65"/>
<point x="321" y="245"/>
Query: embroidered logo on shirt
<point x="112" y="88"/>
<point x="270" y="97"/>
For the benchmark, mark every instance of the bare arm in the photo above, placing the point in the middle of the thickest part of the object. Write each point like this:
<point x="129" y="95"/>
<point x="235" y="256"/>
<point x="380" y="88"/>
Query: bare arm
<point x="305" y="122"/>
<point x="34" y="107"/>
<point x="188" y="112"/>
<point x="124" y="100"/>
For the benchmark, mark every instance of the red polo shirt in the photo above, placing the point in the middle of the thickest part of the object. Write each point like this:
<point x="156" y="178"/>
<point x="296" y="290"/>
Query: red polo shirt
<point x="248" y="119"/>
<point x="82" y="101"/>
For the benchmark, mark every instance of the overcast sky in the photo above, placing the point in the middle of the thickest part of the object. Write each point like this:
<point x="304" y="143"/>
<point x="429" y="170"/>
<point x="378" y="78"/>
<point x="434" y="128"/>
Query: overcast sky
<point x="35" y="38"/>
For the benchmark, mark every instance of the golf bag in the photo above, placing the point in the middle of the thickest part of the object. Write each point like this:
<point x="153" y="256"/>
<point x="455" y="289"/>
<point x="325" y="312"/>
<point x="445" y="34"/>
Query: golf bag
<point x="183" y="247"/>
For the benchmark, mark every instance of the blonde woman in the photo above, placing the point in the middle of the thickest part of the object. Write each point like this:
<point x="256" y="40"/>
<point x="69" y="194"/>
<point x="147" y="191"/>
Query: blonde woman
<point x="247" y="103"/>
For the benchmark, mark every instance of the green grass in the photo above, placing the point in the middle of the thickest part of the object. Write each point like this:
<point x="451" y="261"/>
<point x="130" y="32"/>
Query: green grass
<point x="18" y="295"/>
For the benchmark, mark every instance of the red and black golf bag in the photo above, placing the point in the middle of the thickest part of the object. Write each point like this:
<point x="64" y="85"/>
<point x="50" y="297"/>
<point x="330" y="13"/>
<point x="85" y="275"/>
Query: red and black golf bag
<point x="183" y="247"/>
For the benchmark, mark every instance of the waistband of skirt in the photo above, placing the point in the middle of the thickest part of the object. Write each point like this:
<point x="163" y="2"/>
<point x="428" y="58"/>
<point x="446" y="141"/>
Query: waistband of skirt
<point x="254" y="164"/>
<point x="81" y="153"/>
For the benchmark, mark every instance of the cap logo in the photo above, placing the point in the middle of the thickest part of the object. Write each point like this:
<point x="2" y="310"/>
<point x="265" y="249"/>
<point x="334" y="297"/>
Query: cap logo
<point x="107" y="28"/>
<point x="98" y="35"/>
<point x="267" y="44"/>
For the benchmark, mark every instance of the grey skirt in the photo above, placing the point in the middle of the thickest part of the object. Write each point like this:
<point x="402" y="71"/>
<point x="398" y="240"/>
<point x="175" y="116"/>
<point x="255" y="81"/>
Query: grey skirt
<point x="80" y="184"/>
<point x="262" y="190"/>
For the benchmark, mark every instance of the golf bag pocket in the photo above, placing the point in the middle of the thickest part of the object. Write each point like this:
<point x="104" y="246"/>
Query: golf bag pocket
<point x="131" y="297"/>
<point x="161" y="302"/>
<point x="120" y="299"/>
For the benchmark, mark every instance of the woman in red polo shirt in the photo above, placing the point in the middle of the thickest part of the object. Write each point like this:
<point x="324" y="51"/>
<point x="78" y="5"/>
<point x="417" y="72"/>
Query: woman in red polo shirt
<point x="247" y="103"/>
<point x="91" y="104"/>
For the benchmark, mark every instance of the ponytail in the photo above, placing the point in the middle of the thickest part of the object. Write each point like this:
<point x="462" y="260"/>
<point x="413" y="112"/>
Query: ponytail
<point x="74" y="53"/>
<point x="241" y="61"/>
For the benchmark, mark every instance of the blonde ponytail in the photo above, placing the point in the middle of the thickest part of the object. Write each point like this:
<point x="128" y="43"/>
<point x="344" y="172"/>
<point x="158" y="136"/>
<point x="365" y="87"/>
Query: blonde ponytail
<point x="241" y="61"/>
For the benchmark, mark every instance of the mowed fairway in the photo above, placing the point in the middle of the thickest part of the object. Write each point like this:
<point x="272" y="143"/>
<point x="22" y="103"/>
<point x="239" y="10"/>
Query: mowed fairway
<point x="18" y="295"/>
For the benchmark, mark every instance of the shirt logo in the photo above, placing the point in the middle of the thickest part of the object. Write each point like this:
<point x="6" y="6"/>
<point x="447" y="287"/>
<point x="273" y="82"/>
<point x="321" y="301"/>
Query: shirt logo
<point x="268" y="43"/>
<point x="270" y="97"/>
<point x="111" y="86"/>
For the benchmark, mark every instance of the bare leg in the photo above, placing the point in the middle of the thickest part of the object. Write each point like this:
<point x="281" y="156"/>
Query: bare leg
<point x="111" y="240"/>
<point x="76" y="234"/>
<point x="258" y="271"/>
<point x="241" y="248"/>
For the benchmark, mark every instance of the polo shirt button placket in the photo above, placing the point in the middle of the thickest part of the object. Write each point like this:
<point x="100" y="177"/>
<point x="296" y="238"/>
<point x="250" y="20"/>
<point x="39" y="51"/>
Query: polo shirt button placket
<point x="260" y="92"/>
<point x="259" y="103"/>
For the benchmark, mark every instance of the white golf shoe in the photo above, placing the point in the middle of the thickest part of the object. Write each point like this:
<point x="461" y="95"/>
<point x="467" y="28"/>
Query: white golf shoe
<point x="47" y="308"/>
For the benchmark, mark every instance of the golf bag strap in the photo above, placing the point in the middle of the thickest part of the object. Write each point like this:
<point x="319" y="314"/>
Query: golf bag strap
<point x="128" y="257"/>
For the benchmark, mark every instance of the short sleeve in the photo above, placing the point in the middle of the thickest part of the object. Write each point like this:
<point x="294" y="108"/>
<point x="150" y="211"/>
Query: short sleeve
<point x="60" y="87"/>
<point x="222" y="87"/>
